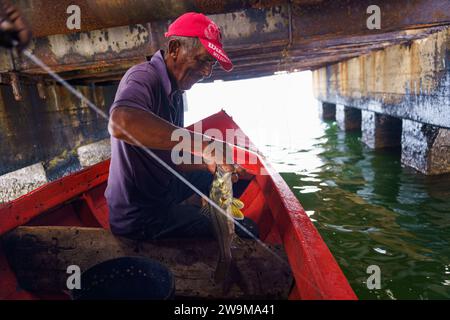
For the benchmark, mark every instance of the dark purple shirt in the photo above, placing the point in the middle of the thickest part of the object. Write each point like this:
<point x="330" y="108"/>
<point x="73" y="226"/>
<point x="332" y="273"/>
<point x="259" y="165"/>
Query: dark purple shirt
<point x="138" y="186"/>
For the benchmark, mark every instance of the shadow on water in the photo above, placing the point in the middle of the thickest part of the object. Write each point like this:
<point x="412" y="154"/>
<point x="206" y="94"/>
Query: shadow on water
<point x="372" y="211"/>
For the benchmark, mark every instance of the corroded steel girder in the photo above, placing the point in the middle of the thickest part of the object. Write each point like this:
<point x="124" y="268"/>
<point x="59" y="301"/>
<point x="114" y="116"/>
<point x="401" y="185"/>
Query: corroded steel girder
<point x="309" y="17"/>
<point x="260" y="38"/>
<point x="100" y="14"/>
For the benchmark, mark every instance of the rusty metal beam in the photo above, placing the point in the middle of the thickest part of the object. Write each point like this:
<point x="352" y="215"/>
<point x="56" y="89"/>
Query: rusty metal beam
<point x="306" y="34"/>
<point x="107" y="60"/>
<point x="310" y="17"/>
<point x="331" y="17"/>
<point x="100" y="14"/>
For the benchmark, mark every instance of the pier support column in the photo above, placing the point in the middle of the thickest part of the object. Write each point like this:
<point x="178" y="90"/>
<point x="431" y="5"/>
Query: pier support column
<point x="348" y="119"/>
<point x="327" y="111"/>
<point x="425" y="147"/>
<point x="22" y="181"/>
<point x="94" y="153"/>
<point x="380" y="130"/>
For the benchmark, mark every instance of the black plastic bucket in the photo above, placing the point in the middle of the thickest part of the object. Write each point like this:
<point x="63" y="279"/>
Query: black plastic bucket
<point x="129" y="278"/>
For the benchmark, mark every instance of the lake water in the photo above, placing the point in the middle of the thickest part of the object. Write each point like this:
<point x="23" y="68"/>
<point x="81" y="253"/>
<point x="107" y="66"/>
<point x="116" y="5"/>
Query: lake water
<point x="369" y="209"/>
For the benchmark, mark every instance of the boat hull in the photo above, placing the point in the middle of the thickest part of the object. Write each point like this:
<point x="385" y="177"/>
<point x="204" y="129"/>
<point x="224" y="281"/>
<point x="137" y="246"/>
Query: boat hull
<point x="78" y="200"/>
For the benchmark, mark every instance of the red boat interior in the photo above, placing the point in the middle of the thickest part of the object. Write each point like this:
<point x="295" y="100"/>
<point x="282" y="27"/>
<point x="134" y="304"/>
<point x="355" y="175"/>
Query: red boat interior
<point x="78" y="200"/>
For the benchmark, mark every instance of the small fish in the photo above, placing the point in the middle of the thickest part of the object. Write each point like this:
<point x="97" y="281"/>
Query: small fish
<point x="221" y="193"/>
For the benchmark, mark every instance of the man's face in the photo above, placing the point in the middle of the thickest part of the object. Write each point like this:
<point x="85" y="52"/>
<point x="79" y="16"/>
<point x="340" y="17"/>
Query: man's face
<point x="192" y="66"/>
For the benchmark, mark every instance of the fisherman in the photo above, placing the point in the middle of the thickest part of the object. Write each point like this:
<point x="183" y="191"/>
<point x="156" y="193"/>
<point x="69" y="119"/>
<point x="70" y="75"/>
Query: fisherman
<point x="145" y="200"/>
<point x="14" y="30"/>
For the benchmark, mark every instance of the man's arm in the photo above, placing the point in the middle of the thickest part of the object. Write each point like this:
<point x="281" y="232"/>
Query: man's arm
<point x="138" y="127"/>
<point x="145" y="129"/>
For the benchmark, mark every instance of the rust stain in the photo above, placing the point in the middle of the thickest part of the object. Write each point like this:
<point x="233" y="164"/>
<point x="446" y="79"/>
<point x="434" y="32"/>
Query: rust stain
<point x="4" y="116"/>
<point x="362" y="79"/>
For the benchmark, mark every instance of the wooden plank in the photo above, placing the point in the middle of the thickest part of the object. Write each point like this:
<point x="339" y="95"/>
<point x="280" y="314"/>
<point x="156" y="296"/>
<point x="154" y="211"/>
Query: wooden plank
<point x="40" y="257"/>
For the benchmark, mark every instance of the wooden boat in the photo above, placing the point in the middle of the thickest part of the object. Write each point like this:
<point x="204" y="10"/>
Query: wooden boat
<point x="77" y="200"/>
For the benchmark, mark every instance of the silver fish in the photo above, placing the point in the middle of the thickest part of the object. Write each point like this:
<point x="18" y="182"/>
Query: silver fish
<point x="222" y="194"/>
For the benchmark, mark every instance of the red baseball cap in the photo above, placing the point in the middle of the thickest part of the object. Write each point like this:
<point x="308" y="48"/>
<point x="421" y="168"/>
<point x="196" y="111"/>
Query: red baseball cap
<point x="193" y="24"/>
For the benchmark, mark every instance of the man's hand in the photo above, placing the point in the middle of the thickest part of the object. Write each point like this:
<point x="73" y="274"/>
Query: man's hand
<point x="221" y="153"/>
<point x="218" y="153"/>
<point x="14" y="30"/>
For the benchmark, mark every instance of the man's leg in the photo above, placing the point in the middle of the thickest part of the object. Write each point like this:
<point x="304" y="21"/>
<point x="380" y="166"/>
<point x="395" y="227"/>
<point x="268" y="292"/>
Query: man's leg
<point x="186" y="220"/>
<point x="183" y="220"/>
<point x="200" y="179"/>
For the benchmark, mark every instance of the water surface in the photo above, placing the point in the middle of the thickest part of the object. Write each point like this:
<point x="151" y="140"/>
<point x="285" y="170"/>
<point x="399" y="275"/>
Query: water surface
<point x="372" y="211"/>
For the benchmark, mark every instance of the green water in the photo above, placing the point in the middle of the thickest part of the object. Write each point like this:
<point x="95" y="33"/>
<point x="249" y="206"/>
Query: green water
<point x="372" y="211"/>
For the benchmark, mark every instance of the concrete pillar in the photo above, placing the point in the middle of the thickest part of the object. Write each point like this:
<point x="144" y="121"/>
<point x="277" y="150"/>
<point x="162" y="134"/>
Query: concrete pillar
<point x="20" y="182"/>
<point x="327" y="111"/>
<point x="347" y="118"/>
<point x="426" y="148"/>
<point x="94" y="153"/>
<point x="379" y="130"/>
